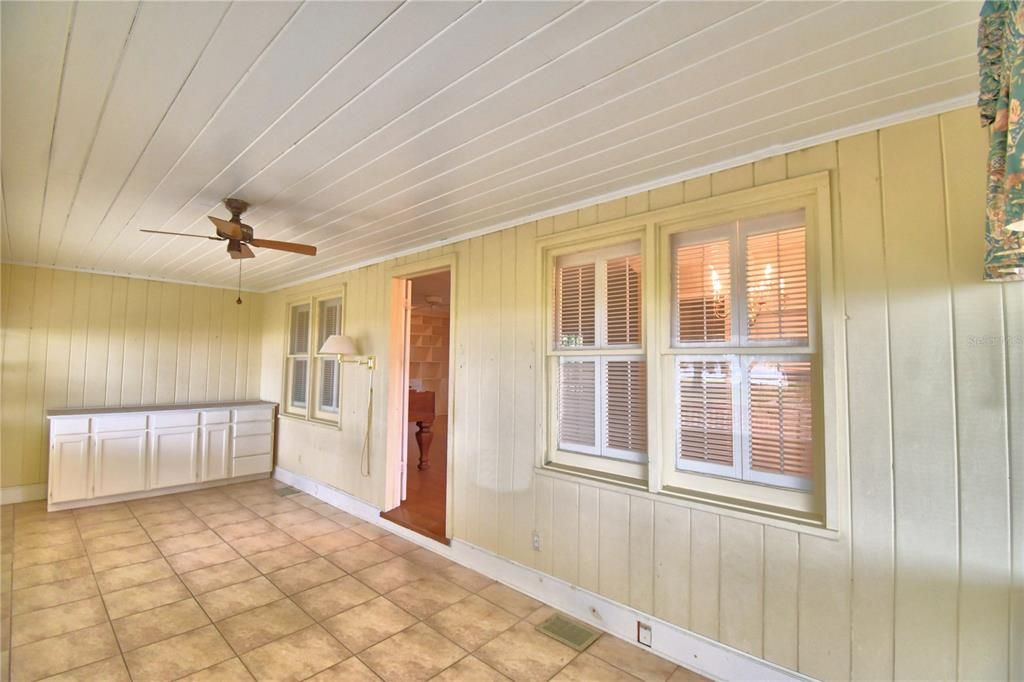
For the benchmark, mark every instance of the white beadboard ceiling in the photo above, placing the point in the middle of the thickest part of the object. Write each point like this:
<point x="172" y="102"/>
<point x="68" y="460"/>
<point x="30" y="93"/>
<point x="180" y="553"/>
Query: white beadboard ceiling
<point x="371" y="129"/>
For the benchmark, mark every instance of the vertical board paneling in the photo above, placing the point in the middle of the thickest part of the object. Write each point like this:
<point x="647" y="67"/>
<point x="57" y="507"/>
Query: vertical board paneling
<point x="641" y="554"/>
<point x="525" y="394"/>
<point x="924" y="436"/>
<point x="506" y="455"/>
<point x="73" y="339"/>
<point x="543" y="559"/>
<point x="672" y="563"/>
<point x="613" y="545"/>
<point x="704" y="573"/>
<point x="488" y="363"/>
<point x="781" y="596"/>
<point x="590" y="538"/>
<point x="565" y="535"/>
<point x="741" y="617"/>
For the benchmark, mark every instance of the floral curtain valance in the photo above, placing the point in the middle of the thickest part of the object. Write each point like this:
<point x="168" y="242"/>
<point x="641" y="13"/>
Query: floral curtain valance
<point x="1001" y="94"/>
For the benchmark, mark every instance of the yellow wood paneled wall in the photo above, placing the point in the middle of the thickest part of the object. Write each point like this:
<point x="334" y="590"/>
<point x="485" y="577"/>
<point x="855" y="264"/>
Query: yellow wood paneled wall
<point x="74" y="339"/>
<point x="919" y="583"/>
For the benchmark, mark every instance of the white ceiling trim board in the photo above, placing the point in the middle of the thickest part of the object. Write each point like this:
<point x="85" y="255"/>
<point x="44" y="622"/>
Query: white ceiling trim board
<point x="129" y="275"/>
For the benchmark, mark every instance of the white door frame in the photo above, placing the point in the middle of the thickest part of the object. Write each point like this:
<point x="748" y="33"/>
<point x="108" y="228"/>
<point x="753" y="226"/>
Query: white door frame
<point x="397" y="381"/>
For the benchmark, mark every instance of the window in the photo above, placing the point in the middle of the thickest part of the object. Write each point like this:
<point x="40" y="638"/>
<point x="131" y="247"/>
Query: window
<point x="596" y="357"/>
<point x="745" y="366"/>
<point x="312" y="381"/>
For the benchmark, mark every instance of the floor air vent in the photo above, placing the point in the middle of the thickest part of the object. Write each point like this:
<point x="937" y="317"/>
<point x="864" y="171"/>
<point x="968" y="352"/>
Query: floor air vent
<point x="569" y="632"/>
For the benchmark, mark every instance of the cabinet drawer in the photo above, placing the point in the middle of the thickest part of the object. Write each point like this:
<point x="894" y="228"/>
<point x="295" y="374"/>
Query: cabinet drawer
<point x="245" y="446"/>
<point x="258" y="464"/>
<point x="216" y="416"/>
<point x="252" y="428"/>
<point x="253" y="414"/>
<point x="60" y="427"/>
<point x="163" y="420"/>
<point x="119" y="422"/>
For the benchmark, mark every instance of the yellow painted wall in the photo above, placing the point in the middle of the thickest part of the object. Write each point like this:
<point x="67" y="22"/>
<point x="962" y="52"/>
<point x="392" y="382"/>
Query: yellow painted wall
<point x="74" y="339"/>
<point x="918" y="584"/>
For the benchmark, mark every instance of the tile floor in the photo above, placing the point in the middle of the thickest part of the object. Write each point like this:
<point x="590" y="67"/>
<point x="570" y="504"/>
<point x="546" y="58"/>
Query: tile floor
<point x="242" y="583"/>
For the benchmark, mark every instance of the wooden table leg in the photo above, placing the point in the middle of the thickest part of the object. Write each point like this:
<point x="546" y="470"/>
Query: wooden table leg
<point x="424" y="436"/>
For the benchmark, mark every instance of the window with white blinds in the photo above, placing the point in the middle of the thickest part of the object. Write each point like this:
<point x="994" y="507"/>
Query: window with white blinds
<point x="600" y="394"/>
<point x="745" y="368"/>
<point x="298" y="359"/>
<point x="312" y="381"/>
<point x="328" y="370"/>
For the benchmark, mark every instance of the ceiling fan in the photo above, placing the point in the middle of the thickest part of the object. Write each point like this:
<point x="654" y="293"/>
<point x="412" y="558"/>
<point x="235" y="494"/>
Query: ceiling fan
<point x="239" y="236"/>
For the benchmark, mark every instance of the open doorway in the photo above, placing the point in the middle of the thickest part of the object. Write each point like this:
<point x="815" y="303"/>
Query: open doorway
<point x="426" y="368"/>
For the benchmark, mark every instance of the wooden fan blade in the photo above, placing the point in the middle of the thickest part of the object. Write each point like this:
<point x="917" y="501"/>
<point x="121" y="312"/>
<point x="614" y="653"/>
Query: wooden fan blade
<point x="183" y="234"/>
<point x="238" y="250"/>
<point x="284" y="246"/>
<point x="227" y="228"/>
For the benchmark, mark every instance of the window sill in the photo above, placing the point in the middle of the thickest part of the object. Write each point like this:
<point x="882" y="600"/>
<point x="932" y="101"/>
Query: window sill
<point x="733" y="508"/>
<point x="306" y="420"/>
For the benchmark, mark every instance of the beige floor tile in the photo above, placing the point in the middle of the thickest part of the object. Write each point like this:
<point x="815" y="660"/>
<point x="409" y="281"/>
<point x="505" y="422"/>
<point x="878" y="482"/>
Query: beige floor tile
<point x="332" y="598"/>
<point x="349" y="670"/>
<point x="415" y="654"/>
<point x="238" y="514"/>
<point x="180" y="515"/>
<point x="201" y="558"/>
<point x="323" y="508"/>
<point x="466" y="578"/>
<point x="244" y="529"/>
<point x="333" y="542"/>
<point x="41" y="574"/>
<point x="64" y="652"/>
<point x="105" y="543"/>
<point x="230" y="670"/>
<point x="470" y="669"/>
<point x="48" y="555"/>
<point x="53" y="594"/>
<point x="304" y="499"/>
<point x="133" y="574"/>
<point x="305" y="575"/>
<point x="153" y="505"/>
<point x="362" y="556"/>
<point x="632" y="659"/>
<point x="158" y="624"/>
<point x="343" y="519"/>
<point x="511" y="600"/>
<point x="364" y="625"/>
<point x="262" y="625"/>
<point x="178" y="656"/>
<point x="109" y="527"/>
<point x="423" y="598"/>
<point x="369" y="531"/>
<point x="391" y="574"/>
<point x="280" y="557"/>
<point x="278" y="505"/>
<point x="220" y="506"/>
<point x="432" y="560"/>
<point x="56" y="620"/>
<point x="472" y="622"/>
<point x="175" y="529"/>
<point x="122" y="557"/>
<point x="254" y="544"/>
<point x="396" y="545"/>
<point x="218" y="576"/>
<point x="312" y="529"/>
<point x="295" y="657"/>
<point x="144" y="597"/>
<point x="108" y="670"/>
<point x="586" y="668"/>
<point x="187" y="543"/>
<point x="36" y="540"/>
<point x="524" y="654"/>
<point x="233" y="599"/>
<point x="681" y="674"/>
<point x="290" y="518"/>
<point x="93" y="515"/>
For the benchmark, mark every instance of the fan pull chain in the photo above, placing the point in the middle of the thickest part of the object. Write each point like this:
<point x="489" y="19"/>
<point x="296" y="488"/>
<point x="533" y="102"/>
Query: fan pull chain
<point x="239" y="299"/>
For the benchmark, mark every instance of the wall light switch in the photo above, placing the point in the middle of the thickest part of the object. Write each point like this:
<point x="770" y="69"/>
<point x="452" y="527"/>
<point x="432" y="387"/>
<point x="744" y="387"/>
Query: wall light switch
<point x="643" y="633"/>
<point x="536" y="541"/>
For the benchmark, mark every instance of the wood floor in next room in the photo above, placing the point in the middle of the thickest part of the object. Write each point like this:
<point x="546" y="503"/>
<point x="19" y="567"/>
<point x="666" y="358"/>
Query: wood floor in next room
<point x="245" y="582"/>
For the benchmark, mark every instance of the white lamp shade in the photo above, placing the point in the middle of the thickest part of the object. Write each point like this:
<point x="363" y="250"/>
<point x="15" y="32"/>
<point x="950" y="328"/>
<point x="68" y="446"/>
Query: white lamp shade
<point x="337" y="344"/>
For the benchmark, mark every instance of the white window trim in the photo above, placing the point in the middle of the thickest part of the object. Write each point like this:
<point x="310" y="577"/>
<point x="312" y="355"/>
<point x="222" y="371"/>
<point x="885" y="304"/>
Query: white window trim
<point x="309" y="412"/>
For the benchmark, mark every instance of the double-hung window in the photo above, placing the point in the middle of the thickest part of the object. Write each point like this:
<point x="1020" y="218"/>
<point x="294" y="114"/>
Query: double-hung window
<point x="328" y="322"/>
<point x="597" y="366"/>
<point x="312" y="380"/>
<point x="745" y="362"/>
<point x="297" y="369"/>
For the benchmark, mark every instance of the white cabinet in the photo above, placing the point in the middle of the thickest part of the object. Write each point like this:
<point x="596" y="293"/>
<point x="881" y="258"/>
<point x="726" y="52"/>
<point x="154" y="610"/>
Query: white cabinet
<point x="173" y="456"/>
<point x="119" y="462"/>
<point x="69" y="455"/>
<point x="215" y="452"/>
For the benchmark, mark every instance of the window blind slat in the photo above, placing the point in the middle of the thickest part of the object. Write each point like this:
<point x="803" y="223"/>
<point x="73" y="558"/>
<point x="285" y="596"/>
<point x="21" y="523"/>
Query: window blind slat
<point x="624" y="301"/>
<point x="703" y="287"/>
<point x="780" y="417"/>
<point x="329" y="384"/>
<point x="577" y="393"/>
<point x="575" y="305"/>
<point x="626" y="405"/>
<point x="299" y="333"/>
<point x="777" y="285"/>
<point x="705" y="411"/>
<point x="299" y="373"/>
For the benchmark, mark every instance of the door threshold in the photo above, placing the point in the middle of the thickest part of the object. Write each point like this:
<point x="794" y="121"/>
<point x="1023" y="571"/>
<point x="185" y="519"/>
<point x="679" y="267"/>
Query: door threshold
<point x="396" y="519"/>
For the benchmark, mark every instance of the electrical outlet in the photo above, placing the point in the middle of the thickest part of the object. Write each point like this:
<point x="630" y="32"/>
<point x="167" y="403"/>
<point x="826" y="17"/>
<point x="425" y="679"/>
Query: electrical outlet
<point x="643" y="633"/>
<point x="536" y="541"/>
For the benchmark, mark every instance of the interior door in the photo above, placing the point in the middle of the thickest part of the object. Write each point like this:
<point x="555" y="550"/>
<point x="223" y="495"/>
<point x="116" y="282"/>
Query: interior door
<point x="406" y="322"/>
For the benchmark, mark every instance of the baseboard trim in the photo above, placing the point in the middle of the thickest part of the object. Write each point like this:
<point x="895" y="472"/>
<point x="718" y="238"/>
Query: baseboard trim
<point x="155" y="492"/>
<point x="22" y="493"/>
<point x="696" y="652"/>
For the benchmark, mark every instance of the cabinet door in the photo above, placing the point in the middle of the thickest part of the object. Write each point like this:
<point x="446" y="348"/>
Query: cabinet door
<point x="173" y="456"/>
<point x="69" y="468"/>
<point x="119" y="462"/>
<point x="216" y="452"/>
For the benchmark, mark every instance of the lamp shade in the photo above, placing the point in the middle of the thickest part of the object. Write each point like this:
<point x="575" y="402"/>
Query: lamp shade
<point x="337" y="344"/>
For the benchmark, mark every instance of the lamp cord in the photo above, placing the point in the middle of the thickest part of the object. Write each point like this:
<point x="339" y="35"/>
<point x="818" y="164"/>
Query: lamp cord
<point x="364" y="463"/>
